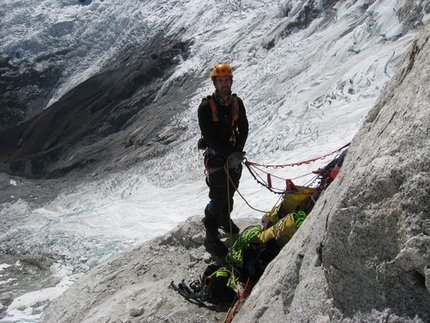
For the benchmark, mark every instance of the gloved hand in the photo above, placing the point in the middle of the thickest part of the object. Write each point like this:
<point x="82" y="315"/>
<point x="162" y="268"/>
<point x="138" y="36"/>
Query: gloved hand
<point x="234" y="160"/>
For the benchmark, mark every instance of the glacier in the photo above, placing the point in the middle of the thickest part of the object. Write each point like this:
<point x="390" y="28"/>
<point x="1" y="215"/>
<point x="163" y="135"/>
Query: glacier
<point x="308" y="82"/>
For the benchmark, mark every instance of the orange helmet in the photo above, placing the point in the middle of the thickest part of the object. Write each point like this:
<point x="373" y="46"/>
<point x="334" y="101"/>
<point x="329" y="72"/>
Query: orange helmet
<point x="221" y="70"/>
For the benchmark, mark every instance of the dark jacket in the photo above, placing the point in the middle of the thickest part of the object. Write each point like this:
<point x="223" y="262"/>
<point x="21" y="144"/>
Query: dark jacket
<point x="217" y="135"/>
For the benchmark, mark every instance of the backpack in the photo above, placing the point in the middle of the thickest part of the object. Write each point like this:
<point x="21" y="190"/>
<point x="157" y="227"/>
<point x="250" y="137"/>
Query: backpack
<point x="213" y="287"/>
<point x="300" y="199"/>
<point x="217" y="282"/>
<point x="282" y="230"/>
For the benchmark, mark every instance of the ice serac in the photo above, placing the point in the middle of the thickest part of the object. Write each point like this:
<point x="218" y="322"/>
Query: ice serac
<point x="363" y="253"/>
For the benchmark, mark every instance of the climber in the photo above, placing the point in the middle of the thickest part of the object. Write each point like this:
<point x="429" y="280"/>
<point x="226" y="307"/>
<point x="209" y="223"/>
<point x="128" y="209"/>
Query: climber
<point x="224" y="127"/>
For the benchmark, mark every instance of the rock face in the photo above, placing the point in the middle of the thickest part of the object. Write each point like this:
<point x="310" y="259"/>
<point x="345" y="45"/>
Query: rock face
<point x="104" y="110"/>
<point x="362" y="255"/>
<point x="24" y="89"/>
<point x="135" y="286"/>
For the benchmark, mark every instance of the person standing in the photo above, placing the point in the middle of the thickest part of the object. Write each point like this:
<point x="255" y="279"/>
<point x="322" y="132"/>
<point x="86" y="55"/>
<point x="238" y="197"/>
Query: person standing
<point x="224" y="127"/>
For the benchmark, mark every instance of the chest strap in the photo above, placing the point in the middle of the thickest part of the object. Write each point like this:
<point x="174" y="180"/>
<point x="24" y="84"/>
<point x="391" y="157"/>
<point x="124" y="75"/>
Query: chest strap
<point x="234" y="112"/>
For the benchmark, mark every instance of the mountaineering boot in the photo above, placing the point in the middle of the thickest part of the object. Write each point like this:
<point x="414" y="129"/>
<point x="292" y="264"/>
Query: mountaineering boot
<point x="224" y="224"/>
<point x="212" y="242"/>
<point x="214" y="246"/>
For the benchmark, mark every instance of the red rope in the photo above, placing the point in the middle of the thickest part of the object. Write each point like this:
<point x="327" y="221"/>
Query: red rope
<point x="269" y="180"/>
<point x="299" y="163"/>
<point x="245" y="293"/>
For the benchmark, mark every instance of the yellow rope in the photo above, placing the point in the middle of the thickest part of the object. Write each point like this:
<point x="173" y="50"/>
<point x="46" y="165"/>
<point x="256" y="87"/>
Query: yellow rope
<point x="229" y="179"/>
<point x="238" y="192"/>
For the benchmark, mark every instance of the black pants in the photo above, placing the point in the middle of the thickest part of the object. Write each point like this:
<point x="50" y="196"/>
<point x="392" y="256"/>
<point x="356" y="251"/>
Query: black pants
<point x="222" y="186"/>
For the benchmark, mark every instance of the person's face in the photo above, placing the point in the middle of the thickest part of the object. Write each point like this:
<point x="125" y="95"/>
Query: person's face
<point x="223" y="85"/>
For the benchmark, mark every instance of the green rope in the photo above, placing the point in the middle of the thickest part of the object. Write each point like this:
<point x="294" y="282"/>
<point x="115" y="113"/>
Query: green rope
<point x="243" y="240"/>
<point x="299" y="217"/>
